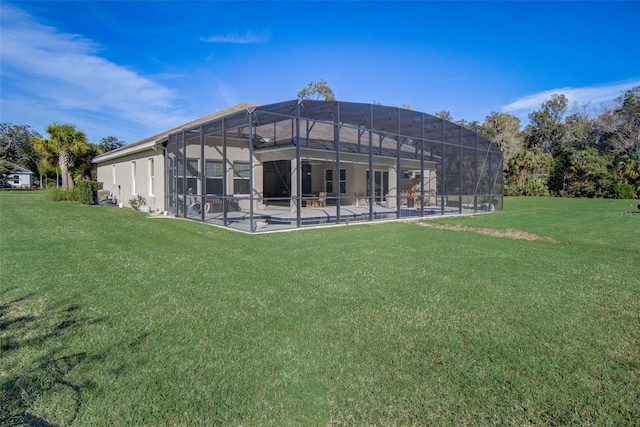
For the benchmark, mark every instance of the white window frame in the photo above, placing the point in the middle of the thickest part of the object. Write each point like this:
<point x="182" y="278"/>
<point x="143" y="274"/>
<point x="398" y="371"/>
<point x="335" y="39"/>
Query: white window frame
<point x="342" y="183"/>
<point x="134" y="171"/>
<point x="214" y="169"/>
<point x="237" y="176"/>
<point x="151" y="176"/>
<point x="192" y="165"/>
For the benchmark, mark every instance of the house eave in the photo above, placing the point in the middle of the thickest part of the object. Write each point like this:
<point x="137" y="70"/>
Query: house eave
<point x="126" y="151"/>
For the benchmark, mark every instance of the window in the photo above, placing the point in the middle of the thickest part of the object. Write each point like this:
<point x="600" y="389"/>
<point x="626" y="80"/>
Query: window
<point x="328" y="181"/>
<point x="214" y="174"/>
<point x="241" y="177"/>
<point x="192" y="168"/>
<point x="133" y="178"/>
<point x="151" y="177"/>
<point x="191" y="176"/>
<point x="113" y="173"/>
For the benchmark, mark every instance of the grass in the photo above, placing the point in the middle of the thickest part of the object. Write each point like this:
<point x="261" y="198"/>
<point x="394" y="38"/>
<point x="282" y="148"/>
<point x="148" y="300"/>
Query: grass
<point x="108" y="317"/>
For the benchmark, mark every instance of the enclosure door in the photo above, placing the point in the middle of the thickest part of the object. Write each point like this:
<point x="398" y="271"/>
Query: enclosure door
<point x="307" y="179"/>
<point x="277" y="182"/>
<point x="380" y="185"/>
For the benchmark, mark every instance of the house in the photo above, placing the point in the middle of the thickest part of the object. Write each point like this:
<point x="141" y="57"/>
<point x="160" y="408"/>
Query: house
<point x="19" y="177"/>
<point x="305" y="162"/>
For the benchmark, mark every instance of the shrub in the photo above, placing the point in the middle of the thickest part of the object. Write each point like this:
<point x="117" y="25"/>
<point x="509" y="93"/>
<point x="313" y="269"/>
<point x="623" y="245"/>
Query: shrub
<point x="58" y="194"/>
<point x="88" y="191"/>
<point x="136" y="202"/>
<point x="527" y="186"/>
<point x="624" y="191"/>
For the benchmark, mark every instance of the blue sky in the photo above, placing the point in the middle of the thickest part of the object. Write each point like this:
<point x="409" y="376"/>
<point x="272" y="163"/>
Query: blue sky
<point x="133" y="69"/>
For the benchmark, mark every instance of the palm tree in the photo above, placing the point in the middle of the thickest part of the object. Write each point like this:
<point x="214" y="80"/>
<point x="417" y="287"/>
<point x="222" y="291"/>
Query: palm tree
<point x="47" y="165"/>
<point x="65" y="141"/>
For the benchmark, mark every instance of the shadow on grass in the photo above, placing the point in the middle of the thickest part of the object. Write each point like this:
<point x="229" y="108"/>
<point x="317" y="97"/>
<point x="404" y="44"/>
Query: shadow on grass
<point x="39" y="364"/>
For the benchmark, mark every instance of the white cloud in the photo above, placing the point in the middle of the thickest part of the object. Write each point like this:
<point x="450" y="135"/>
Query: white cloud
<point x="44" y="70"/>
<point x="247" y="38"/>
<point x="591" y="95"/>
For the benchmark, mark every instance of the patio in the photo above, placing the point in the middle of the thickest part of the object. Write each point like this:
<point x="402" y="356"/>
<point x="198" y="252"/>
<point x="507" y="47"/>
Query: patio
<point x="274" y="218"/>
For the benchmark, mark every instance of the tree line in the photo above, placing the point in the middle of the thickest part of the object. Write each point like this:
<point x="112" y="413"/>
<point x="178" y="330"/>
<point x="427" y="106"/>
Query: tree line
<point x="64" y="158"/>
<point x="563" y="151"/>
<point x="567" y="151"/>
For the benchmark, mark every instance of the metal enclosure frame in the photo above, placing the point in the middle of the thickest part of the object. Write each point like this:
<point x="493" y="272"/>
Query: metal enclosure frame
<point x="307" y="162"/>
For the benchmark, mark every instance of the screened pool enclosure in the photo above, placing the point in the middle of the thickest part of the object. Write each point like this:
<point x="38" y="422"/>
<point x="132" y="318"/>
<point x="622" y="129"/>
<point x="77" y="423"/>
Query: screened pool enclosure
<point x="302" y="163"/>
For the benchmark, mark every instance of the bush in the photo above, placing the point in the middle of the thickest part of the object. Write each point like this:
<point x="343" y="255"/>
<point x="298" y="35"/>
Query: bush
<point x="529" y="186"/>
<point x="88" y="191"/>
<point x="136" y="202"/>
<point x="624" y="191"/>
<point x="58" y="194"/>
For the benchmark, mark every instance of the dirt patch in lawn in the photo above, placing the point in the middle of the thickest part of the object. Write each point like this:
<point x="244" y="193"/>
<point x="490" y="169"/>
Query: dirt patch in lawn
<point x="509" y="233"/>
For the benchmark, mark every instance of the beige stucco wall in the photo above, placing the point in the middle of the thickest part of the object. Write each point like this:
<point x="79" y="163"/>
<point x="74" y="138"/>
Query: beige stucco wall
<point x="118" y="176"/>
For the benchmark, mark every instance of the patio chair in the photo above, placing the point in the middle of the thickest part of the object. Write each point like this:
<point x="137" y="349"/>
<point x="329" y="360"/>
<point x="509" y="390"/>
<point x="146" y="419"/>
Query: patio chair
<point x="322" y="199"/>
<point x="362" y="200"/>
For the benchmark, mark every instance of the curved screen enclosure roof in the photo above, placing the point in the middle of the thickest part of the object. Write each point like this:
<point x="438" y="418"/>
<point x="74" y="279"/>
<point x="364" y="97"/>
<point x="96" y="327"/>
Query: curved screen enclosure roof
<point x="309" y="162"/>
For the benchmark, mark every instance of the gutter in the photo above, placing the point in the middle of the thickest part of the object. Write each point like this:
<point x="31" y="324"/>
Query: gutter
<point x="125" y="151"/>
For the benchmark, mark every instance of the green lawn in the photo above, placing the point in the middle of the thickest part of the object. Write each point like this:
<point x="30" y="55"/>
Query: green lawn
<point x="108" y="317"/>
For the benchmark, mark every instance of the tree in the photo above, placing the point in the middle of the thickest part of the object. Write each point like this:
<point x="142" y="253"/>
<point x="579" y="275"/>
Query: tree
<point x="587" y="174"/>
<point x="17" y="145"/>
<point x="83" y="168"/>
<point x="444" y="114"/>
<point x="317" y="90"/>
<point x="629" y="102"/>
<point x="579" y="130"/>
<point x="546" y="131"/>
<point x="627" y="166"/>
<point x="109" y="143"/>
<point x="504" y="130"/>
<point x="5" y="169"/>
<point x="65" y="141"/>
<point x="473" y="126"/>
<point x="528" y="173"/>
<point x="621" y="124"/>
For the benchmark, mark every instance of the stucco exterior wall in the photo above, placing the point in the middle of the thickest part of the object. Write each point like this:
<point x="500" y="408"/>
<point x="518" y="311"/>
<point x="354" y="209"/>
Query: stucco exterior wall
<point x="136" y="174"/>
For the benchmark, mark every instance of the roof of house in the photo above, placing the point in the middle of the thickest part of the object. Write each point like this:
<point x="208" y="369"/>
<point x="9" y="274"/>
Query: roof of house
<point x="150" y="142"/>
<point x="19" y="169"/>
